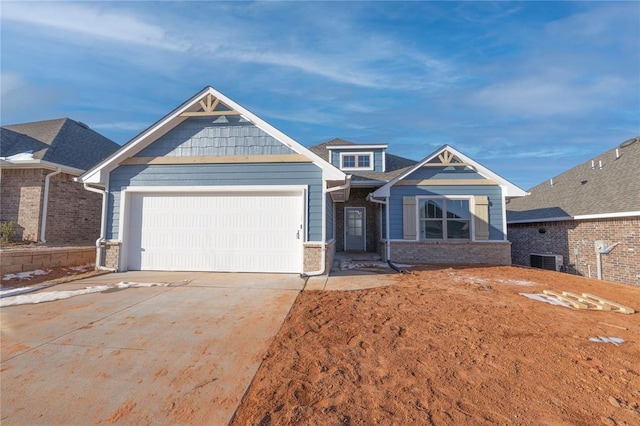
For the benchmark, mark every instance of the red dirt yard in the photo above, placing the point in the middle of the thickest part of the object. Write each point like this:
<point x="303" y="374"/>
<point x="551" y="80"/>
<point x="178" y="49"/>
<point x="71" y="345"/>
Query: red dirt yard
<point x="451" y="346"/>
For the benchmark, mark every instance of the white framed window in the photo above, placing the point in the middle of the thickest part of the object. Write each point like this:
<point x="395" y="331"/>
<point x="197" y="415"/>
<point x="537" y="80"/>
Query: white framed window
<point x="444" y="218"/>
<point x="356" y="161"/>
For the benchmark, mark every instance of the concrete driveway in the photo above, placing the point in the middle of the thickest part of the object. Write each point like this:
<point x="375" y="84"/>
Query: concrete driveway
<point x="178" y="354"/>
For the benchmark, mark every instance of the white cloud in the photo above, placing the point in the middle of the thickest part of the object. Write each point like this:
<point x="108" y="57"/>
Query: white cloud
<point x="81" y="20"/>
<point x="545" y="95"/>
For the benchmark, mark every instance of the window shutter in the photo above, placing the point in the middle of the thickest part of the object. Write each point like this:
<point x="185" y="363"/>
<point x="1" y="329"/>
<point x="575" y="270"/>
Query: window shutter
<point x="409" y="218"/>
<point x="482" y="217"/>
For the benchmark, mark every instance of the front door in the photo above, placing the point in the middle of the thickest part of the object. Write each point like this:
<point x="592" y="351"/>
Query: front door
<point x="354" y="229"/>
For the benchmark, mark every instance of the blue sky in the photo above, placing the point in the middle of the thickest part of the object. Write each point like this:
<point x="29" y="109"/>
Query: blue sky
<point x="529" y="89"/>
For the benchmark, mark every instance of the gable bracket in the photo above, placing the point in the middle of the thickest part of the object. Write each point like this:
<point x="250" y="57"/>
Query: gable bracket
<point x="209" y="104"/>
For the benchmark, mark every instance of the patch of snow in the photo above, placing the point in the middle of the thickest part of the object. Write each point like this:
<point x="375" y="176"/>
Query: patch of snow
<point x="25" y="275"/>
<point x="28" y="155"/>
<point x="522" y="283"/>
<point x="544" y="298"/>
<point x="82" y="268"/>
<point x="615" y="340"/>
<point x="50" y="296"/>
<point x="6" y="292"/>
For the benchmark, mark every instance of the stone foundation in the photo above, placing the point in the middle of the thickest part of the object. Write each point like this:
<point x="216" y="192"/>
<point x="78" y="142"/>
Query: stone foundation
<point x="21" y="260"/>
<point x="439" y="252"/>
<point x="313" y="256"/>
<point x="110" y="254"/>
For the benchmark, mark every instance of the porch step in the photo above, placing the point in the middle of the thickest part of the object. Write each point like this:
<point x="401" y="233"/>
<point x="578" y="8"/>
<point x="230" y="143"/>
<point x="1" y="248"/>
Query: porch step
<point x="357" y="256"/>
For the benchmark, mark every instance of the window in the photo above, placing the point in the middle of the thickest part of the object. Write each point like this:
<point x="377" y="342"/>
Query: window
<point x="362" y="161"/>
<point x="444" y="219"/>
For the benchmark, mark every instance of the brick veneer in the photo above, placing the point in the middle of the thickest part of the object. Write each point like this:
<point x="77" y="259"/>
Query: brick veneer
<point x="622" y="264"/>
<point x="21" y="200"/>
<point x="73" y="213"/>
<point x="428" y="252"/>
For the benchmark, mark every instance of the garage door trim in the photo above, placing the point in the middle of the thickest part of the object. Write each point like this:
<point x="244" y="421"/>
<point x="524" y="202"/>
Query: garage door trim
<point x="127" y="192"/>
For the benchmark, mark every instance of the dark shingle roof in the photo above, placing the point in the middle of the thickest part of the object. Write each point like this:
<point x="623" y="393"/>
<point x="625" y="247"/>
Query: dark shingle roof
<point x="395" y="165"/>
<point x="585" y="191"/>
<point x="62" y="141"/>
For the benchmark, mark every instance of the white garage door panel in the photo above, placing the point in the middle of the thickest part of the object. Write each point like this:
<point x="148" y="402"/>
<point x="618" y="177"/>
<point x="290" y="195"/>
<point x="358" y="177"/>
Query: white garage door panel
<point x="216" y="232"/>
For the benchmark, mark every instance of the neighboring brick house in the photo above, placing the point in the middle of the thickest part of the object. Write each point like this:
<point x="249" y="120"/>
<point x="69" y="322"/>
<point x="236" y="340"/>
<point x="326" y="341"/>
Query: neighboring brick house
<point x="595" y="201"/>
<point x="39" y="162"/>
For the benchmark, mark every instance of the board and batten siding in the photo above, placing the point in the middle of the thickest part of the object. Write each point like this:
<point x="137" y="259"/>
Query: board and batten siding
<point x="377" y="157"/>
<point x="219" y="175"/>
<point x="200" y="136"/>
<point x="494" y="192"/>
<point x="330" y="218"/>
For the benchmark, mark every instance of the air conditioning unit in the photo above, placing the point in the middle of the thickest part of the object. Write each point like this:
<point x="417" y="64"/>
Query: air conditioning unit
<point x="552" y="262"/>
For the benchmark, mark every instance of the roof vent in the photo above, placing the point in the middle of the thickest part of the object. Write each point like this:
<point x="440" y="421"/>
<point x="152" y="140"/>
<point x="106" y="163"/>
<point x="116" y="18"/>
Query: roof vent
<point x="81" y="124"/>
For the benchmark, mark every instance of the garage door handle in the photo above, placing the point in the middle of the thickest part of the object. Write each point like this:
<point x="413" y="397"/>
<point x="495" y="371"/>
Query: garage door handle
<point x="298" y="234"/>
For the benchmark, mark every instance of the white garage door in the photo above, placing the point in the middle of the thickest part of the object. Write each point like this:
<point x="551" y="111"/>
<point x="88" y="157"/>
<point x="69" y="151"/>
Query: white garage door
<point x="230" y="232"/>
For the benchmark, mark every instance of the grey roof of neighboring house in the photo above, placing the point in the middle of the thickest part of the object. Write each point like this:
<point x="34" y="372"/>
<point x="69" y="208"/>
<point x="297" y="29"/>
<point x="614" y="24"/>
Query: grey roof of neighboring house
<point x="62" y="141"/>
<point x="584" y="191"/>
<point x="395" y="165"/>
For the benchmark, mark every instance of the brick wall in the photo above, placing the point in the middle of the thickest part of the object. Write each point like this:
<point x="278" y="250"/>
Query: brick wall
<point x="21" y="200"/>
<point x="622" y="264"/>
<point x="428" y="252"/>
<point x="357" y="198"/>
<point x="73" y="213"/>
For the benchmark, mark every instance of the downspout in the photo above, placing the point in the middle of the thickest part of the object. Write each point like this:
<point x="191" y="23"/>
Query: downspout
<point x="103" y="222"/>
<point x="323" y="252"/>
<point x="45" y="204"/>
<point x="387" y="230"/>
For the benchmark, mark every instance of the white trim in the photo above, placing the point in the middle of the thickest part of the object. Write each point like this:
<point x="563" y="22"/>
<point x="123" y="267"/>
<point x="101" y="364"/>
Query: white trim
<point x="578" y="217"/>
<point x="355" y="146"/>
<point x="503" y="190"/>
<point x="127" y="192"/>
<point x="356" y="155"/>
<point x="511" y="189"/>
<point x="36" y="164"/>
<point x="151" y="134"/>
<point x="213" y="188"/>
<point x="472" y="229"/>
<point x="364" y="227"/>
<point x="384" y="161"/>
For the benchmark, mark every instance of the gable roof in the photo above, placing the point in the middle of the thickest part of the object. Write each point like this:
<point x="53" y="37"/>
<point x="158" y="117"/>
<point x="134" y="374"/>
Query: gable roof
<point x="61" y="141"/>
<point x="394" y="164"/>
<point x="98" y="174"/>
<point x="585" y="191"/>
<point x="511" y="190"/>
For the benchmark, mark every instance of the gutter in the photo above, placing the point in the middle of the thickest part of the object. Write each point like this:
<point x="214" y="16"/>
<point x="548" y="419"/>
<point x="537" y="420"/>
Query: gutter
<point x="45" y="204"/>
<point x="103" y="223"/>
<point x="385" y="203"/>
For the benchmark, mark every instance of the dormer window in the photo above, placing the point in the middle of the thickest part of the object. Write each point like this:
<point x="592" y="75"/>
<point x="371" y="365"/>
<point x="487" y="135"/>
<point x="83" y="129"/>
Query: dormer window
<point x="356" y="161"/>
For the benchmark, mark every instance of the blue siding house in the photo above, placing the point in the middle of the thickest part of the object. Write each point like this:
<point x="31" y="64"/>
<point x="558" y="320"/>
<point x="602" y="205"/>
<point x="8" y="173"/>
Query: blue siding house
<point x="212" y="187"/>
